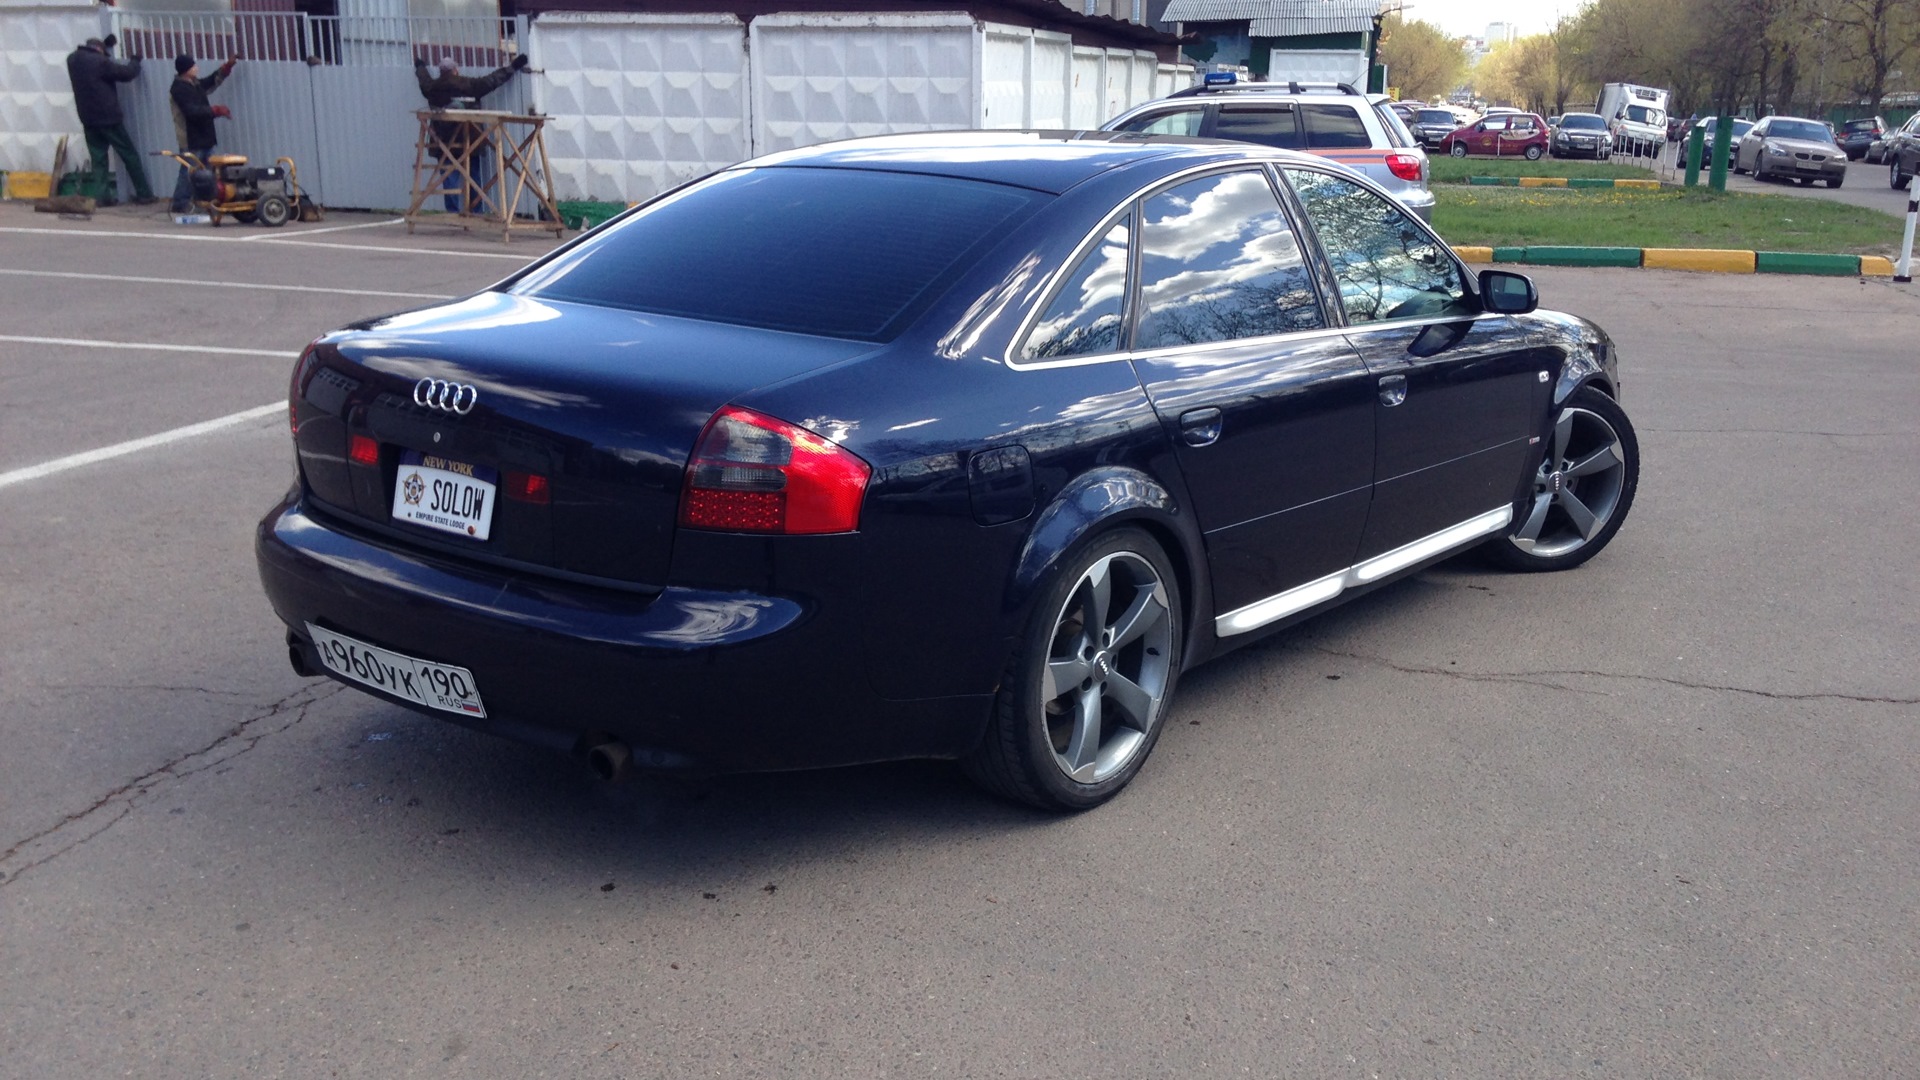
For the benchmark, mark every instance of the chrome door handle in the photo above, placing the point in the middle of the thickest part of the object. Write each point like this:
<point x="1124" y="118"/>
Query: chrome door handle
<point x="1393" y="390"/>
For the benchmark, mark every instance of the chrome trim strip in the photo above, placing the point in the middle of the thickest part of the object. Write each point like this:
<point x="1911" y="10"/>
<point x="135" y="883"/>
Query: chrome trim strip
<point x="1319" y="591"/>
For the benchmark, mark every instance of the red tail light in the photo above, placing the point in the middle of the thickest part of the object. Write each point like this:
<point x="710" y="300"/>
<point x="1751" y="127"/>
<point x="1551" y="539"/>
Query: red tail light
<point x="529" y="488"/>
<point x="753" y="473"/>
<point x="363" y="451"/>
<point x="1404" y="166"/>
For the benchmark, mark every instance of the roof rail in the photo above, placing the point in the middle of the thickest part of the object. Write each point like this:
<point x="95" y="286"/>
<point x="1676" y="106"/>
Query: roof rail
<point x="1268" y="88"/>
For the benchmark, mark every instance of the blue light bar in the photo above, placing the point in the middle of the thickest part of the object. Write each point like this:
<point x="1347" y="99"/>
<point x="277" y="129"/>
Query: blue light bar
<point x="1219" y="78"/>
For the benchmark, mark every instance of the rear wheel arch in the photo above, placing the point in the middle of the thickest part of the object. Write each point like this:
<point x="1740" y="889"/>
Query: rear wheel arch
<point x="1093" y="504"/>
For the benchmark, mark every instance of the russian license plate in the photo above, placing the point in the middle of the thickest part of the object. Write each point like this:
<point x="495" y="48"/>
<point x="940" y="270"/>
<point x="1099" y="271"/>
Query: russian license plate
<point x="451" y="496"/>
<point x="437" y="686"/>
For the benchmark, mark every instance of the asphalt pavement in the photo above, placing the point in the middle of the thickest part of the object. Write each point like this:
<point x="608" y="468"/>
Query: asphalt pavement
<point x="1655" y="817"/>
<point x="1866" y="185"/>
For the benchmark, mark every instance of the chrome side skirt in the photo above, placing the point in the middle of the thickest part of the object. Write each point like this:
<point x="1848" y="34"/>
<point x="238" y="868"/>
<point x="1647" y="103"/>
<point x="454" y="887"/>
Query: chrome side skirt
<point x="1301" y="597"/>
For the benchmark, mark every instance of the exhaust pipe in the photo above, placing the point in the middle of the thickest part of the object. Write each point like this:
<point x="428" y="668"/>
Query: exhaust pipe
<point x="611" y="761"/>
<point x="297" y="656"/>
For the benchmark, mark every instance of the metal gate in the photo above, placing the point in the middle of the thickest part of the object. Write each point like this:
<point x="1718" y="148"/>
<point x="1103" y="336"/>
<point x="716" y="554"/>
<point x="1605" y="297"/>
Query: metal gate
<point x="336" y="94"/>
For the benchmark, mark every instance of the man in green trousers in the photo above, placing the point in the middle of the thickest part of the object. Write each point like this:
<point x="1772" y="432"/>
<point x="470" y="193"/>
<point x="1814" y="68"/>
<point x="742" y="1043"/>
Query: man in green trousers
<point x="95" y="97"/>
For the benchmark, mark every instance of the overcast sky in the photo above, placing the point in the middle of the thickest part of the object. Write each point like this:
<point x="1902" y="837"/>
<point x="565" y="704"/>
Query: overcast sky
<point x="1469" y="18"/>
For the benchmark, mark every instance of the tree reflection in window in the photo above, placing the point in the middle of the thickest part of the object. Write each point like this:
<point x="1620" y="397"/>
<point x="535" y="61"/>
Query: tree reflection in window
<point x="1219" y="262"/>
<point x="1387" y="266"/>
<point x="1085" y="316"/>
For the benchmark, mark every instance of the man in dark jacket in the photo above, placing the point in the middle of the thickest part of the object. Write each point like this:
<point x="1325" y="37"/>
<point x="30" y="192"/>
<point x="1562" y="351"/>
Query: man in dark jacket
<point x="97" y="100"/>
<point x="193" y="117"/>
<point x="449" y="86"/>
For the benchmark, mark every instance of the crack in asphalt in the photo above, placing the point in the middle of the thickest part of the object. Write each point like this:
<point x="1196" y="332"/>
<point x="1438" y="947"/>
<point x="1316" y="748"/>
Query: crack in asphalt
<point x="81" y="826"/>
<point x="1540" y="679"/>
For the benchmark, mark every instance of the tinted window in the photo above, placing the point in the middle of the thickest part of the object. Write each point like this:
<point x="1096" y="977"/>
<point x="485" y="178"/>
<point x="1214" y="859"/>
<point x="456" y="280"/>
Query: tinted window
<point x="1587" y="122"/>
<point x="1335" y="127"/>
<point x="1859" y="125"/>
<point x="1269" y="127"/>
<point x="836" y="252"/>
<point x="1219" y="262"/>
<point x="1387" y="266"/>
<point x="1185" y="122"/>
<point x="1085" y="316"/>
<point x="1397" y="132"/>
<point x="1438" y="116"/>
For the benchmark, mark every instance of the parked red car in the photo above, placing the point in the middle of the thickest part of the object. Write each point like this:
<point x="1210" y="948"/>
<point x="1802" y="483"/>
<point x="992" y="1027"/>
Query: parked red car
<point x="1502" y="135"/>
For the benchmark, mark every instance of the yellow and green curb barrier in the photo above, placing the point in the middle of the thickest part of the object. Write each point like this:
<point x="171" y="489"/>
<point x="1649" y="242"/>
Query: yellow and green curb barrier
<point x="1562" y="182"/>
<point x="1701" y="259"/>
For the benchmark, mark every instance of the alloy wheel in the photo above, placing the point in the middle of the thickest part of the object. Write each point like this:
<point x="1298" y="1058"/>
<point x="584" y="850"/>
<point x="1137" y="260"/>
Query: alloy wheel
<point x="1107" y="667"/>
<point x="1577" y="487"/>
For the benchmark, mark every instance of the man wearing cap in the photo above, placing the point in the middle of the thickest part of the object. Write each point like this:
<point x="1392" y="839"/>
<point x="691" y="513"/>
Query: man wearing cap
<point x="193" y="117"/>
<point x="95" y="97"/>
<point x="442" y="90"/>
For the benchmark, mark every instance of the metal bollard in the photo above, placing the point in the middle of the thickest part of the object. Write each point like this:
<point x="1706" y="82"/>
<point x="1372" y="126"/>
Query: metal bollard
<point x="1904" y="272"/>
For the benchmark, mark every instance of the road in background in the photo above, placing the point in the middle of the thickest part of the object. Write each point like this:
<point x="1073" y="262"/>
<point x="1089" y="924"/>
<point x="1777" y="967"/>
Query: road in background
<point x="1654" y="817"/>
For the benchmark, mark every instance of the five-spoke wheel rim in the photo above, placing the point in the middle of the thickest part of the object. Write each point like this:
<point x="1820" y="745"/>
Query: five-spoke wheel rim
<point x="1107" y="667"/>
<point x="1577" y="488"/>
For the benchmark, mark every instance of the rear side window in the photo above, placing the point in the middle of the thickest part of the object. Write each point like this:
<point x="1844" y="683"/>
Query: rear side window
<point x="1085" y="316"/>
<point x="1218" y="262"/>
<point x="1335" y="127"/>
<point x="834" y="252"/>
<point x="1266" y="126"/>
<point x="1397" y="132"/>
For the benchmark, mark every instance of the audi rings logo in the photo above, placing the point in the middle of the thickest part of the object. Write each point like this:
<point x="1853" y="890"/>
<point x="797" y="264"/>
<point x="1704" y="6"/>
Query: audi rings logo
<point x="457" y="398"/>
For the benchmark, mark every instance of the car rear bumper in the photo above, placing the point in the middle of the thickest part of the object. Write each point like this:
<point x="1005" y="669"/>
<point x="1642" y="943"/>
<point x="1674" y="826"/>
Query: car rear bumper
<point x="690" y="679"/>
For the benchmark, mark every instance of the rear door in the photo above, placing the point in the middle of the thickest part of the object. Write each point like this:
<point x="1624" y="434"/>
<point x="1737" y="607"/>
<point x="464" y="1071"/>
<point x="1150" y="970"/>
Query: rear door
<point x="1458" y="393"/>
<point x="1269" y="410"/>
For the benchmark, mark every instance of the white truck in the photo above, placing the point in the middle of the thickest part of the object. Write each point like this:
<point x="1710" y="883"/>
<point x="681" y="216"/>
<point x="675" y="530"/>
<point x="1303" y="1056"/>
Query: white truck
<point x="1636" y="115"/>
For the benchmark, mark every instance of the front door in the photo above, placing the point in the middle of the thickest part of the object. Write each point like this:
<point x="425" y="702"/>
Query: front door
<point x="1458" y="392"/>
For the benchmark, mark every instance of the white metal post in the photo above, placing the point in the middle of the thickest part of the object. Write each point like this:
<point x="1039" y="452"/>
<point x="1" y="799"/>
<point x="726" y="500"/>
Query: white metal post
<point x="1904" y="272"/>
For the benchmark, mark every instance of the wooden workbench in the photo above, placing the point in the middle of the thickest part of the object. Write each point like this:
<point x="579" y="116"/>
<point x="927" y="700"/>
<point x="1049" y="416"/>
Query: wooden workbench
<point x="519" y="143"/>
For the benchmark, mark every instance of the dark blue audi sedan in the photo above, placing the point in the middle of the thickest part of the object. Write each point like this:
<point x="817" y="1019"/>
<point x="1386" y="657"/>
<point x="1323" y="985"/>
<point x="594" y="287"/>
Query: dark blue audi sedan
<point x="957" y="445"/>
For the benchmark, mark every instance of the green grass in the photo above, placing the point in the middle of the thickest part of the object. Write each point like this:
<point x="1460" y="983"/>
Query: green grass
<point x="1453" y="170"/>
<point x="1671" y="218"/>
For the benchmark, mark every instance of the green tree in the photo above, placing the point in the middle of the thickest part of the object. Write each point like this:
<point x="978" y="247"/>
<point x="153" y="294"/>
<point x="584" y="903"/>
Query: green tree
<point x="1421" y="60"/>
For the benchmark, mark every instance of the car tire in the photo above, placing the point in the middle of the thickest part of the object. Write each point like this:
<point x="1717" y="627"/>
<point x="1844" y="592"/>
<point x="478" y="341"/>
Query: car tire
<point x="1079" y="711"/>
<point x="1804" y="181"/>
<point x="1759" y="175"/>
<point x="1833" y="181"/>
<point x="1533" y="153"/>
<point x="1895" y="178"/>
<point x="1582" y="488"/>
<point x="1458" y="150"/>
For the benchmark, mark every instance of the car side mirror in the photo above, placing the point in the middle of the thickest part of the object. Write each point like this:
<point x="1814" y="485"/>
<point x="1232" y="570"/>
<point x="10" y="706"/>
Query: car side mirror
<point x="1503" y="292"/>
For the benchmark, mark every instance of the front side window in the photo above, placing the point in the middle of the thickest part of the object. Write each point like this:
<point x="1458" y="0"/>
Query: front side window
<point x="1219" y="262"/>
<point x="1184" y="122"/>
<point x="1387" y="266"/>
<point x="1085" y="317"/>
<point x="1266" y="126"/>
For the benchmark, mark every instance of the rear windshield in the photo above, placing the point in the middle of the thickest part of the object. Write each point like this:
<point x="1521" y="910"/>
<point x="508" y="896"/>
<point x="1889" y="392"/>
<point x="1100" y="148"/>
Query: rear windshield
<point x="1860" y="125"/>
<point x="1583" y="122"/>
<point x="1800" y="129"/>
<point x="833" y="252"/>
<point x="1397" y="132"/>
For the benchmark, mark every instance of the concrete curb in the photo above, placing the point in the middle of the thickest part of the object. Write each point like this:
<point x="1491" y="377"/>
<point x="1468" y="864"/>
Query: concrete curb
<point x="1562" y="182"/>
<point x="1706" y="260"/>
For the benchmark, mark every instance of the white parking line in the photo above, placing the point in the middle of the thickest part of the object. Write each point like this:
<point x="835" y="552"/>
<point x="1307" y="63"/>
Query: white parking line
<point x="134" y="446"/>
<point x="288" y="241"/>
<point x="89" y="343"/>
<point x="257" y="237"/>
<point x="224" y="284"/>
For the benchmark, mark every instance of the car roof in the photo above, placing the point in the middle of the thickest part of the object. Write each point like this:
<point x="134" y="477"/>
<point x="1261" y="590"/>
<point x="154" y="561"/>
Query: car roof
<point x="1049" y="161"/>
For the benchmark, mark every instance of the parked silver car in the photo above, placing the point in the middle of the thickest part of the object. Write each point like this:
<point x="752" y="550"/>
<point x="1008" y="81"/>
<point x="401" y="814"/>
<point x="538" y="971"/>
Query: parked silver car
<point x="1331" y="120"/>
<point x="1792" y="147"/>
